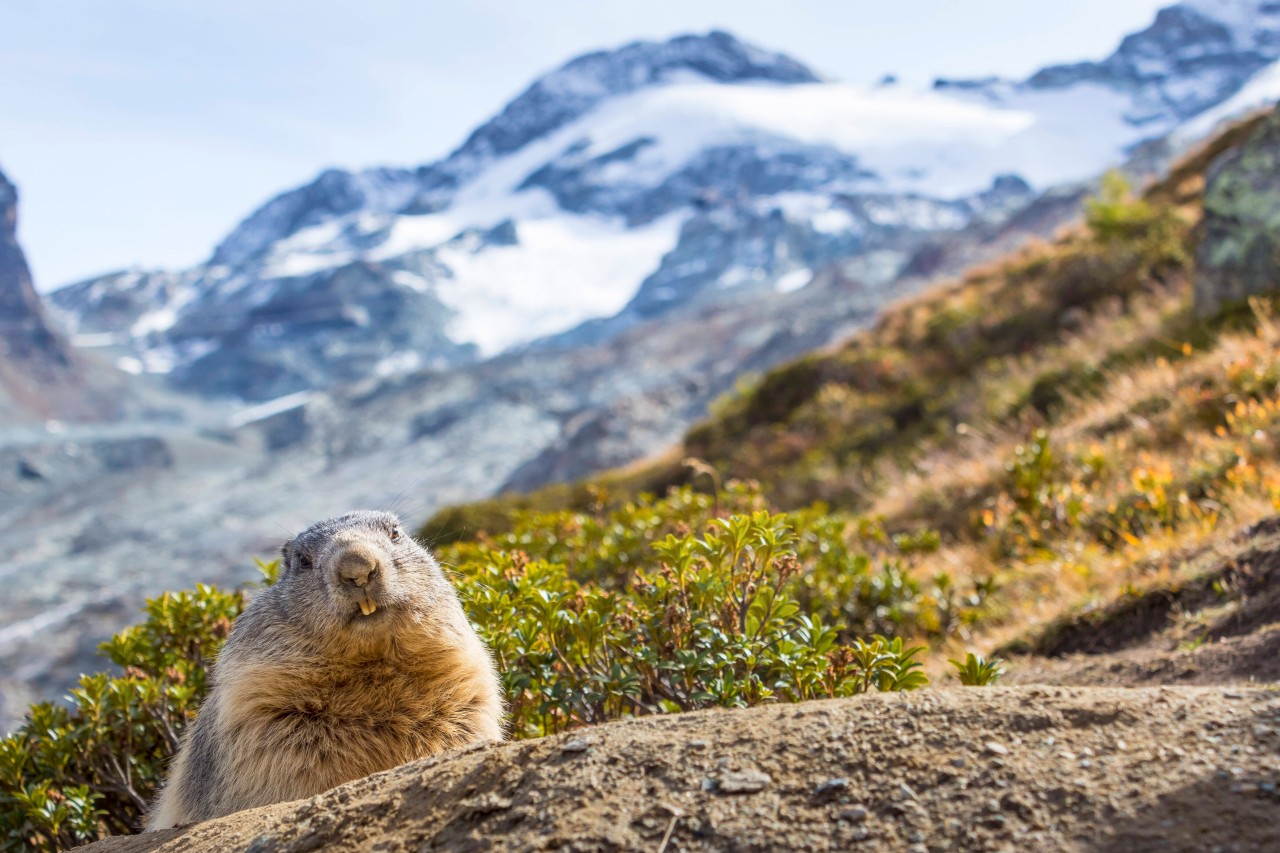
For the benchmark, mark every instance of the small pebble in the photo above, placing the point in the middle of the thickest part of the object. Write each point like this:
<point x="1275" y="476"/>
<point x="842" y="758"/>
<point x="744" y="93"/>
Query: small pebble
<point x="861" y="835"/>
<point x="831" y="788"/>
<point x="698" y="744"/>
<point x="957" y="762"/>
<point x="743" y="782"/>
<point x="906" y="792"/>
<point x="853" y="814"/>
<point x="995" y="748"/>
<point x="578" y="744"/>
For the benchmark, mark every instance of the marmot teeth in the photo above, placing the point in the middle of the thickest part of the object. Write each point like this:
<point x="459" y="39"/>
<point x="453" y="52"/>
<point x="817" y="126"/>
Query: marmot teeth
<point x="367" y="606"/>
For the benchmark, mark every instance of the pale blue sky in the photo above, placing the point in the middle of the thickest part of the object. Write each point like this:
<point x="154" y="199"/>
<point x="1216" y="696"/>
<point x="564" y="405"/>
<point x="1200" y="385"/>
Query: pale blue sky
<point x="140" y="131"/>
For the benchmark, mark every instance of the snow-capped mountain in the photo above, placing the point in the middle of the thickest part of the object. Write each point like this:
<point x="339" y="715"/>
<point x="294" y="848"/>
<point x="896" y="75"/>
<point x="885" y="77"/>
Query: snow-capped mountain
<point x="1194" y="56"/>
<point x="633" y="182"/>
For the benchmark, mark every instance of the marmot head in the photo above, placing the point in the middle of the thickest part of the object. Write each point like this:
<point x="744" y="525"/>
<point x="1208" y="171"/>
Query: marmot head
<point x="354" y="578"/>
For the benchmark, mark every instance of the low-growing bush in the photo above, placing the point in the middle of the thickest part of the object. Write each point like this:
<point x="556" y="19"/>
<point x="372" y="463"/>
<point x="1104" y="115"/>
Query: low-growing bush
<point x="710" y="622"/>
<point x="73" y="774"/>
<point x="663" y="605"/>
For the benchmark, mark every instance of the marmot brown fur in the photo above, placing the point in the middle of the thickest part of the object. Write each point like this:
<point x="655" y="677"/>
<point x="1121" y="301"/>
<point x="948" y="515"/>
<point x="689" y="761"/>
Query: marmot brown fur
<point x="358" y="659"/>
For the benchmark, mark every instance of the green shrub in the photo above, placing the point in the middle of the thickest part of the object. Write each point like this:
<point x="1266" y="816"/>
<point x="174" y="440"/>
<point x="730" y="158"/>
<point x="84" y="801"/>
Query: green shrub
<point x="710" y="622"/>
<point x="851" y="573"/>
<point x="1114" y="213"/>
<point x="658" y="606"/>
<point x="70" y="775"/>
<point x="977" y="671"/>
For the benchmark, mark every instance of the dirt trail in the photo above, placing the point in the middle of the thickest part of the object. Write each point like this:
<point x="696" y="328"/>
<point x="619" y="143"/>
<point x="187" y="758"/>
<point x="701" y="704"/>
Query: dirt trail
<point x="1018" y="768"/>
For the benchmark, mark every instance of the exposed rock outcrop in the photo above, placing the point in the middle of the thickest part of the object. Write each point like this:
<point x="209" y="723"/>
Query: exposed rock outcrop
<point x="39" y="374"/>
<point x="1239" y="254"/>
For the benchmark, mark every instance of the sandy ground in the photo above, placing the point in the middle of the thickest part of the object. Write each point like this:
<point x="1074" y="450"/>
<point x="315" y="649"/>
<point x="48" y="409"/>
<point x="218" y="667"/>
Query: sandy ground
<point x="999" y="768"/>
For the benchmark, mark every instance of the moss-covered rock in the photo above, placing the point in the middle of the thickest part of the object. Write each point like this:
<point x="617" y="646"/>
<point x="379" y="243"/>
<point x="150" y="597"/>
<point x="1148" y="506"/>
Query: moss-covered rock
<point x="1239" y="255"/>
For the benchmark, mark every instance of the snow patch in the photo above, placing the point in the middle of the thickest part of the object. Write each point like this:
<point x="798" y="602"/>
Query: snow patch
<point x="833" y="221"/>
<point x="398" y="364"/>
<point x="1262" y="90"/>
<point x="261" y="411"/>
<point x="566" y="269"/>
<point x="88" y="340"/>
<point x="297" y="264"/>
<point x="736" y="275"/>
<point x="158" y="320"/>
<point x="413" y="281"/>
<point x="794" y="280"/>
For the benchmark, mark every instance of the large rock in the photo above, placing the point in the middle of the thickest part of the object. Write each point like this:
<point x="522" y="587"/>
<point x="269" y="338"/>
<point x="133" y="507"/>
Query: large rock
<point x="1239" y="252"/>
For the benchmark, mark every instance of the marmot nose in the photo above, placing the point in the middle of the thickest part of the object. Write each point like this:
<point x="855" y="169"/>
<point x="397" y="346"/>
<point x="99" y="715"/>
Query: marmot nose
<point x="356" y="566"/>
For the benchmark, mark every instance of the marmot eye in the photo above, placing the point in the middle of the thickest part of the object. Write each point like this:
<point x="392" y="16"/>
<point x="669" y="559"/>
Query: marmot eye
<point x="304" y="562"/>
<point x="395" y="534"/>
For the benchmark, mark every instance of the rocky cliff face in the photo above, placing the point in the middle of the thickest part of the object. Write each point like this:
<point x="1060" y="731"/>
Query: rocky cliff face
<point x="28" y="337"/>
<point x="39" y="375"/>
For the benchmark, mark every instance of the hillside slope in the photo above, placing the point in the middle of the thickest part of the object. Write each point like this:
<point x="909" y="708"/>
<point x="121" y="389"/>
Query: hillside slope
<point x="1030" y="768"/>
<point x="1059" y="432"/>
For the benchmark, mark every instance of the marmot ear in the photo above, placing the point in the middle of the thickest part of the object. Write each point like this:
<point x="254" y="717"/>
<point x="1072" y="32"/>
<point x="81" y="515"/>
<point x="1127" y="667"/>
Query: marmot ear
<point x="285" y="550"/>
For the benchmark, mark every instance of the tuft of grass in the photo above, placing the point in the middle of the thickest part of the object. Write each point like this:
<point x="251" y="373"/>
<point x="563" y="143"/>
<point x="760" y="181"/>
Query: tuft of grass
<point x="977" y="671"/>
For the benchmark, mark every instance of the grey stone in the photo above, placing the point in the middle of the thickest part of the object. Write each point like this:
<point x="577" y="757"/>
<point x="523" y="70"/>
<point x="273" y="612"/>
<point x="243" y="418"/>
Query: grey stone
<point x="1239" y="251"/>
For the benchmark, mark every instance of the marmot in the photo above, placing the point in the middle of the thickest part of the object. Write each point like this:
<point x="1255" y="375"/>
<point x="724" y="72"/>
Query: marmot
<point x="358" y="659"/>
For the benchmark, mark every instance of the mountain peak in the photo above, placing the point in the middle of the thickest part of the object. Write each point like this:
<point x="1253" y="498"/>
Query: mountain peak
<point x="1193" y="55"/>
<point x="552" y="101"/>
<point x="559" y="97"/>
<point x="35" y="362"/>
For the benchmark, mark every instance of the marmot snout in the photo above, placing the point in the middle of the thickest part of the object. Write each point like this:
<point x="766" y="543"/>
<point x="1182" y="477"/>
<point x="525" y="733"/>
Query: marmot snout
<point x="358" y="659"/>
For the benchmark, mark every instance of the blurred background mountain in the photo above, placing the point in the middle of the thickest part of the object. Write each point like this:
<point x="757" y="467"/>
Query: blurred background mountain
<point x="566" y="291"/>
